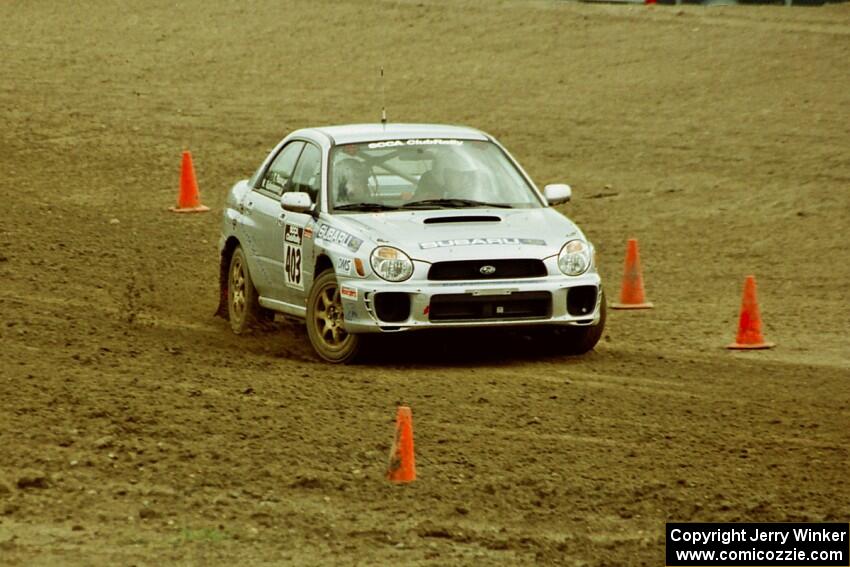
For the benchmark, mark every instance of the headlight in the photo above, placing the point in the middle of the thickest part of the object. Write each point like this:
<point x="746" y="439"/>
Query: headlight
<point x="575" y="257"/>
<point x="391" y="264"/>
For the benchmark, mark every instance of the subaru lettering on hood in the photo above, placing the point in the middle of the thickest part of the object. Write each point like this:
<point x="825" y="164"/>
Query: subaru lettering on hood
<point x="482" y="241"/>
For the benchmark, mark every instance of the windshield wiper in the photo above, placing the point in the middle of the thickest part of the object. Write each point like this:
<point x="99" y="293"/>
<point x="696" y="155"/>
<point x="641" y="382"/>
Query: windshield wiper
<point x="365" y="207"/>
<point x="453" y="204"/>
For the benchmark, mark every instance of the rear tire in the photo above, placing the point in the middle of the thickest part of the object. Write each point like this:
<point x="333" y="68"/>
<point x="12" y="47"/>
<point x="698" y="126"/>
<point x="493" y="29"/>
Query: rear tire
<point x="325" y="322"/>
<point x="243" y="307"/>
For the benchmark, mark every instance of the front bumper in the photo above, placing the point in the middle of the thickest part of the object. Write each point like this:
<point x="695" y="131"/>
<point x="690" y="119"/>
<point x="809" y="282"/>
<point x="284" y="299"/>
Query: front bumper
<point x="522" y="302"/>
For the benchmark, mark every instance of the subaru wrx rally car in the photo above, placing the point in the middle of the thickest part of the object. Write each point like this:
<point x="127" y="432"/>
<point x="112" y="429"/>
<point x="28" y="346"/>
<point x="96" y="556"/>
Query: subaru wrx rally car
<point x="378" y="228"/>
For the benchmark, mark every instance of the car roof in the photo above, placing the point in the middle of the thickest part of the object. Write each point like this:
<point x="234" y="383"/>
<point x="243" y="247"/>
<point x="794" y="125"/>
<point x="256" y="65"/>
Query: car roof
<point x="354" y="133"/>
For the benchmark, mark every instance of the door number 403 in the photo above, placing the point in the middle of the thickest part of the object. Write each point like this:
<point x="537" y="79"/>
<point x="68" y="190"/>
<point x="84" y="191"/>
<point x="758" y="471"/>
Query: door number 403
<point x="293" y="266"/>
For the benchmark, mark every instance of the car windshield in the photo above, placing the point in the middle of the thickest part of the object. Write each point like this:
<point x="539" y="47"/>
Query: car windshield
<point x="425" y="174"/>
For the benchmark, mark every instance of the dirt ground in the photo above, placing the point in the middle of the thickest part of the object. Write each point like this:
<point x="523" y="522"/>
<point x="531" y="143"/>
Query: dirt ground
<point x="135" y="429"/>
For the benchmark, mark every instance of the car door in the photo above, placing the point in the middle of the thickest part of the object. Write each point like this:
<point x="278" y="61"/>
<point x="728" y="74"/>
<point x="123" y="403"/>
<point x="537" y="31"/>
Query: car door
<point x="262" y="205"/>
<point x="298" y="252"/>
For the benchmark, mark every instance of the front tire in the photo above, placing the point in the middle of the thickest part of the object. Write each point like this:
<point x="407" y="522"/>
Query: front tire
<point x="243" y="307"/>
<point x="579" y="340"/>
<point x="325" y="322"/>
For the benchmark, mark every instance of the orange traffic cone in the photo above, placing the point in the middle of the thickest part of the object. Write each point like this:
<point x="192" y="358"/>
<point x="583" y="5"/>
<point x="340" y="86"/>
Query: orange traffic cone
<point x="749" y="325"/>
<point x="188" y="202"/>
<point x="631" y="295"/>
<point x="402" y="465"/>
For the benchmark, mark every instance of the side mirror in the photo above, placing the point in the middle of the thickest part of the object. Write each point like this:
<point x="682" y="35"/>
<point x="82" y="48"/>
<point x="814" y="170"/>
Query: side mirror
<point x="557" y="193"/>
<point x="296" y="202"/>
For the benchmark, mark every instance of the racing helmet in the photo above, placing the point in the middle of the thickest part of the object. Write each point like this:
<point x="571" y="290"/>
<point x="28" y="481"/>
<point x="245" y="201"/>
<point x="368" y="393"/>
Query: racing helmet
<point x="455" y="172"/>
<point x="352" y="176"/>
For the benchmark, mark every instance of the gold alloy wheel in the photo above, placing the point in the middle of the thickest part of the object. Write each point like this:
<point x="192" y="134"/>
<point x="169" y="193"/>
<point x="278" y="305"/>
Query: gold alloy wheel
<point x="237" y="288"/>
<point x="328" y="317"/>
<point x="326" y="322"/>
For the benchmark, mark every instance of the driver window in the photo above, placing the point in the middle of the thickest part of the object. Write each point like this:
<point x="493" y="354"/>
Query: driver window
<point x="308" y="172"/>
<point x="280" y="170"/>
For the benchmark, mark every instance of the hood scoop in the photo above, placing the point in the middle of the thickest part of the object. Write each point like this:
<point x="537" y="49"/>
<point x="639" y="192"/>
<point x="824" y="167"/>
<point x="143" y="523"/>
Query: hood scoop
<point x="463" y="218"/>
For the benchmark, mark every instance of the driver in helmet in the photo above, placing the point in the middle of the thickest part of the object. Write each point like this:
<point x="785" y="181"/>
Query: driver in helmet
<point x="352" y="181"/>
<point x="449" y="178"/>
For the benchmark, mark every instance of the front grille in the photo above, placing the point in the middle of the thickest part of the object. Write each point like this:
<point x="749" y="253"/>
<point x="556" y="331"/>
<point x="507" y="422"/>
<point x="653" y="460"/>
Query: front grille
<point x="465" y="307"/>
<point x="487" y="269"/>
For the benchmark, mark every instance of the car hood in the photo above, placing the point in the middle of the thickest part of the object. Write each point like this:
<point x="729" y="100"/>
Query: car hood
<point x="441" y="235"/>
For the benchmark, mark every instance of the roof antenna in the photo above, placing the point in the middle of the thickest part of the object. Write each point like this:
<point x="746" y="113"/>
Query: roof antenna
<point x="383" y="101"/>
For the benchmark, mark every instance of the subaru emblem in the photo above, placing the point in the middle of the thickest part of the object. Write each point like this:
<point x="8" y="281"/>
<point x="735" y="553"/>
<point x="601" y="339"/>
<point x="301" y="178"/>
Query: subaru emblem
<point x="487" y="270"/>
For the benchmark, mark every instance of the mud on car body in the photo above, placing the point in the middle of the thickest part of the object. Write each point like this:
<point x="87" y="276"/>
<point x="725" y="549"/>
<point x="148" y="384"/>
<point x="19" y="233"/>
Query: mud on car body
<point x="368" y="229"/>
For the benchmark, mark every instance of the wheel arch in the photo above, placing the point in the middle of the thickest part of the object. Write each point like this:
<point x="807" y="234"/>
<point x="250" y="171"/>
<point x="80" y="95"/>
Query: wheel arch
<point x="323" y="262"/>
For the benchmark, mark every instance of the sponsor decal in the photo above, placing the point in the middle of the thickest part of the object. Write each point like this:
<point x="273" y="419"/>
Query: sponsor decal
<point x="292" y="255"/>
<point x="482" y="242"/>
<point x="292" y="234"/>
<point x="334" y="235"/>
<point x="348" y="292"/>
<point x="343" y="266"/>
<point x="425" y="142"/>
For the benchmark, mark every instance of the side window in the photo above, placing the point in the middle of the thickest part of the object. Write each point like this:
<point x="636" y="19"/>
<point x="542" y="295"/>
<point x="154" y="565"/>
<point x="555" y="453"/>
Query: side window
<point x="280" y="170"/>
<point x="308" y="172"/>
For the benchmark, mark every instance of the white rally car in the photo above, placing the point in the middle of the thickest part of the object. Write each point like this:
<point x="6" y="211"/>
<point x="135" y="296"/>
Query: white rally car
<point x="376" y="228"/>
